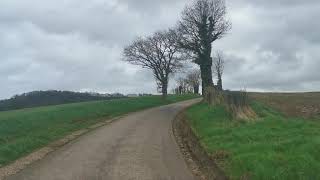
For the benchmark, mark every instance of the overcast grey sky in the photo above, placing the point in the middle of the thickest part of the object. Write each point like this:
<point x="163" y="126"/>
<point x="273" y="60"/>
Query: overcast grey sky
<point x="274" y="45"/>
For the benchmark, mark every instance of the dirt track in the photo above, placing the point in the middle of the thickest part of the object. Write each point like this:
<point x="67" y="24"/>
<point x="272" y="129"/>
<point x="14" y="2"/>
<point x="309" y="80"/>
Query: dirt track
<point x="138" y="147"/>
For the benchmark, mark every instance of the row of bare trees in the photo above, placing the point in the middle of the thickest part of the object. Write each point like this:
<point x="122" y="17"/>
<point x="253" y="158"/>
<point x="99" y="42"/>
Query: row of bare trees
<point x="189" y="84"/>
<point x="202" y="23"/>
<point x="192" y="80"/>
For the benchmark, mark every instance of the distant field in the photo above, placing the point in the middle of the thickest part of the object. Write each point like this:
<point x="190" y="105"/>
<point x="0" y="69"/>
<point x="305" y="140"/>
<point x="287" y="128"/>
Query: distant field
<point x="273" y="147"/>
<point x="23" y="131"/>
<point x="305" y="105"/>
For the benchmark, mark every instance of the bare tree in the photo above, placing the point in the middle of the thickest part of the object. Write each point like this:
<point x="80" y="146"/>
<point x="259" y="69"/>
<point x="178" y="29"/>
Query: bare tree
<point x="158" y="53"/>
<point x="193" y="79"/>
<point x="218" y="67"/>
<point x="203" y="23"/>
<point x="182" y="85"/>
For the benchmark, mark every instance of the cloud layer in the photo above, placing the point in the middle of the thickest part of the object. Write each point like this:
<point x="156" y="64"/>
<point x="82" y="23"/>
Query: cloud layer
<point x="72" y="45"/>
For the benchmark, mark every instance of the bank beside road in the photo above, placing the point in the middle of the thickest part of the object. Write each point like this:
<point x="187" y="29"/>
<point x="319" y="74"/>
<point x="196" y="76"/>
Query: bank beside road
<point x="273" y="146"/>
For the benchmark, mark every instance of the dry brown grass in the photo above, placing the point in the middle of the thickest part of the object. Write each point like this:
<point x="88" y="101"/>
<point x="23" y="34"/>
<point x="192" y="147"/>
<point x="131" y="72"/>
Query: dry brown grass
<point x="305" y="105"/>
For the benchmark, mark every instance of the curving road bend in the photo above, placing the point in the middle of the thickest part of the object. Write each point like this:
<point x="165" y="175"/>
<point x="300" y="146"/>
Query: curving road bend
<point x="140" y="146"/>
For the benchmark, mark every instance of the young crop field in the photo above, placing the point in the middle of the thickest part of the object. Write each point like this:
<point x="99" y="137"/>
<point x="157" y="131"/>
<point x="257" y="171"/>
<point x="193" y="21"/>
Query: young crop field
<point x="305" y="105"/>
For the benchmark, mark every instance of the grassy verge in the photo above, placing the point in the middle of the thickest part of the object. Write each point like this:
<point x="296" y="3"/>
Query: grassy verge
<point x="274" y="147"/>
<point x="23" y="131"/>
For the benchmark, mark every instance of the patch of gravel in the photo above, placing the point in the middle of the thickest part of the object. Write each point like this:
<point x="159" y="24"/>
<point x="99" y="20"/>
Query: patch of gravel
<point x="188" y="157"/>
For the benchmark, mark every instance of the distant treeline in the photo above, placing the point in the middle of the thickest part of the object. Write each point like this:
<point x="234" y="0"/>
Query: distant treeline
<point x="44" y="98"/>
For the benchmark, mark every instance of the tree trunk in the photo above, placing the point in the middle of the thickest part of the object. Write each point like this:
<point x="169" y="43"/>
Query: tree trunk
<point x="180" y="90"/>
<point x="219" y="83"/>
<point x="164" y="89"/>
<point x="196" y="89"/>
<point x="205" y="62"/>
<point x="206" y="76"/>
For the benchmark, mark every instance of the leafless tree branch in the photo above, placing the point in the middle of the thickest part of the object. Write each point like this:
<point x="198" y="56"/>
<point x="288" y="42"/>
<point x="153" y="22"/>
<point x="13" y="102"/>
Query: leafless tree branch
<point x="218" y="67"/>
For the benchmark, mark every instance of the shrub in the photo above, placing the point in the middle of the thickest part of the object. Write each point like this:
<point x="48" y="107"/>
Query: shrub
<point x="236" y="102"/>
<point x="236" y="98"/>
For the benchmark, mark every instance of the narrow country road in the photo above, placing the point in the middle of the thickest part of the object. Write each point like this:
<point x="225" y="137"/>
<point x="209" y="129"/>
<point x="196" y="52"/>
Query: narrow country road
<point x="140" y="146"/>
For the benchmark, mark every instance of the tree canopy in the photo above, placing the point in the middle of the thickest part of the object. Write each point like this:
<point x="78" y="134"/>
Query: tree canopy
<point x="158" y="53"/>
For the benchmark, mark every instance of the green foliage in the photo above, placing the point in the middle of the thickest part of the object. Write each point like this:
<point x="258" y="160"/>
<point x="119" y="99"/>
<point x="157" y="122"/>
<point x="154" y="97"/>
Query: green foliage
<point x="23" y="131"/>
<point x="274" y="147"/>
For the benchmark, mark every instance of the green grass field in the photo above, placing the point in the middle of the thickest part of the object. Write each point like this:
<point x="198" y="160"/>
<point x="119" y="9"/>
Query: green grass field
<point x="23" y="131"/>
<point x="273" y="147"/>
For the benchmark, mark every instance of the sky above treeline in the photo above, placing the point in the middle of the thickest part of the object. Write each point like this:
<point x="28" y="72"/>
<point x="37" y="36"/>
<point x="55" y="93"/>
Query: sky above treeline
<point x="274" y="45"/>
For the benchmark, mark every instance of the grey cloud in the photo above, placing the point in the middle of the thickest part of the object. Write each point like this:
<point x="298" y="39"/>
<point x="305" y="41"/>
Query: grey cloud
<point x="77" y="45"/>
<point x="275" y="4"/>
<point x="276" y="43"/>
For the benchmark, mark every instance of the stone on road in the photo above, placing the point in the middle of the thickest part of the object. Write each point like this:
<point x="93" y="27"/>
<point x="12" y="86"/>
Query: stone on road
<point x="140" y="146"/>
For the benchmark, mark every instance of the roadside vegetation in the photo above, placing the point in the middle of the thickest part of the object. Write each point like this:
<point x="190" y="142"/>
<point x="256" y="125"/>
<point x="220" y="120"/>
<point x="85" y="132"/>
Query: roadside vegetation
<point x="273" y="146"/>
<point x="23" y="131"/>
<point x="276" y="136"/>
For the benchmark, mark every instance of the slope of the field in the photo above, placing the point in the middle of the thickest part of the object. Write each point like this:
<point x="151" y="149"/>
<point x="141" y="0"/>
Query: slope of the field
<point x="274" y="146"/>
<point x="305" y="105"/>
<point x="23" y="131"/>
